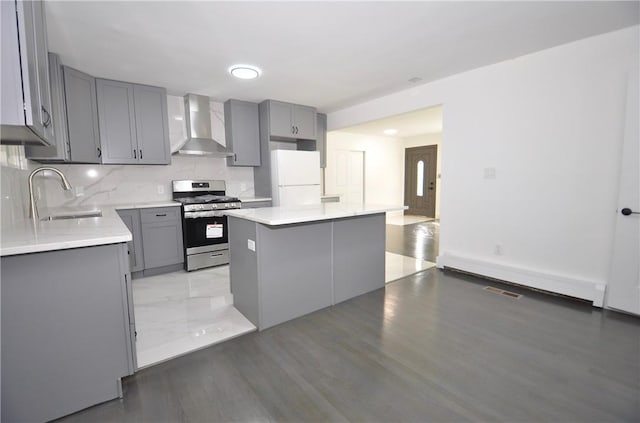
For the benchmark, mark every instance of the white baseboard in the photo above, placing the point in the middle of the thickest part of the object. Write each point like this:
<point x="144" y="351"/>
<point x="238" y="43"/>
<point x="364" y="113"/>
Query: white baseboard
<point x="578" y="288"/>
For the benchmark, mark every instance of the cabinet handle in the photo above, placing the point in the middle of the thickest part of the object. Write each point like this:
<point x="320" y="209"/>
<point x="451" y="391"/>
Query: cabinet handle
<point x="47" y="121"/>
<point x="141" y="154"/>
<point x="99" y="152"/>
<point x="161" y="215"/>
<point x="235" y="157"/>
<point x="135" y="153"/>
<point x="296" y="129"/>
<point x="293" y="129"/>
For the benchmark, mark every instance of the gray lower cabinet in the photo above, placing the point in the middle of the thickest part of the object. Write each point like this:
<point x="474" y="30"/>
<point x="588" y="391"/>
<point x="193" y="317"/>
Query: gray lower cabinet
<point x="133" y="123"/>
<point x="67" y="331"/>
<point x="75" y="117"/>
<point x="131" y="218"/>
<point x="242" y="132"/>
<point x="157" y="239"/>
<point x="161" y="237"/>
<point x="26" y="93"/>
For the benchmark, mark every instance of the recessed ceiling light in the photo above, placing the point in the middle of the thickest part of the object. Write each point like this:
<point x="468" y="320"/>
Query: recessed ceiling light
<point x="390" y="131"/>
<point x="244" y="71"/>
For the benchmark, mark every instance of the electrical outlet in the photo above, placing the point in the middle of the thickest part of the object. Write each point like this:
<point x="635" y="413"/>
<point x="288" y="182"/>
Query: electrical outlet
<point x="489" y="173"/>
<point x="160" y="189"/>
<point x="497" y="250"/>
<point x="251" y="244"/>
<point x="243" y="186"/>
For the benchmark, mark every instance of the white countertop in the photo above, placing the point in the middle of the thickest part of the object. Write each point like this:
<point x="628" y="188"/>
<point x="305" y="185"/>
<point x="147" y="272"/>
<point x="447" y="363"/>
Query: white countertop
<point x="274" y="216"/>
<point x="25" y="237"/>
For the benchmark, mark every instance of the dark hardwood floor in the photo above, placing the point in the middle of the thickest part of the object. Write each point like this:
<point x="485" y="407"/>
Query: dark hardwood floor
<point x="432" y="347"/>
<point x="419" y="240"/>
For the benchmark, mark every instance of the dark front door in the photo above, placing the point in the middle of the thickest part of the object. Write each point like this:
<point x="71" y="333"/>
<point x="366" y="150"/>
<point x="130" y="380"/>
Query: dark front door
<point x="420" y="180"/>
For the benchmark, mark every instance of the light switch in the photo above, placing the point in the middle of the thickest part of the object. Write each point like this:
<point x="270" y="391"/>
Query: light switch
<point x="160" y="189"/>
<point x="251" y="244"/>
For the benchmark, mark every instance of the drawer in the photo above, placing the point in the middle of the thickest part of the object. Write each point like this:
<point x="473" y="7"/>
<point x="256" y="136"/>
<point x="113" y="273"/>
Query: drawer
<point x="161" y="214"/>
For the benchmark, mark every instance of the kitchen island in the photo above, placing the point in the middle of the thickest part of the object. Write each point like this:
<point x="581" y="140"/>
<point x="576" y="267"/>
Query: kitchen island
<point x="290" y="261"/>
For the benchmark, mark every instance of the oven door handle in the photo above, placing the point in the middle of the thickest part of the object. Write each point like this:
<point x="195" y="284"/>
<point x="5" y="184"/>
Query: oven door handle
<point x="199" y="214"/>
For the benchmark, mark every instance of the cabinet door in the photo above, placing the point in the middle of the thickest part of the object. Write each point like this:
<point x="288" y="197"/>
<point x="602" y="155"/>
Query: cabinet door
<point x="242" y="132"/>
<point x="42" y="58"/>
<point x="152" y="126"/>
<point x="162" y="244"/>
<point x="82" y="116"/>
<point x="162" y="236"/>
<point x="59" y="151"/>
<point x="116" y="120"/>
<point x="304" y="119"/>
<point x="131" y="218"/>
<point x="36" y="88"/>
<point x="281" y="119"/>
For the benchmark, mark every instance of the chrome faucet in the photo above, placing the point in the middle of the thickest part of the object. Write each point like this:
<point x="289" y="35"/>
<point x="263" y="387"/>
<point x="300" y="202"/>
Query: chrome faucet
<point x="33" y="211"/>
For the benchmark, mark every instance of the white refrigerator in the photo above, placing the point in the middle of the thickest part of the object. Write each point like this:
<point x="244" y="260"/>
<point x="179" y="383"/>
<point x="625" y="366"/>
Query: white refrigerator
<point x="295" y="177"/>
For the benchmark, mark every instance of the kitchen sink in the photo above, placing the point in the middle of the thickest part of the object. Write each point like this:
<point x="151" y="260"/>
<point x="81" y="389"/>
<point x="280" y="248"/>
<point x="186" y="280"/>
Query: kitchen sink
<point x="78" y="215"/>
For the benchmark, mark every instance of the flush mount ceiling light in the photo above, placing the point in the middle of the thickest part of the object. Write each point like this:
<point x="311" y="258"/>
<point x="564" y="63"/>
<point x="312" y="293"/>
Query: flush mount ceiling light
<point x="244" y="71"/>
<point x="390" y="131"/>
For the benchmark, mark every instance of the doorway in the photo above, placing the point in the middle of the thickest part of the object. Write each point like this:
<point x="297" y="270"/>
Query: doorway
<point x="420" y="173"/>
<point x="350" y="176"/>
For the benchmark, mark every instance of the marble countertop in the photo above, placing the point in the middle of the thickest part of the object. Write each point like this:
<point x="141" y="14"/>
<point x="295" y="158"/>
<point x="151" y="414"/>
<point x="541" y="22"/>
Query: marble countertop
<point x="274" y="216"/>
<point x="26" y="237"/>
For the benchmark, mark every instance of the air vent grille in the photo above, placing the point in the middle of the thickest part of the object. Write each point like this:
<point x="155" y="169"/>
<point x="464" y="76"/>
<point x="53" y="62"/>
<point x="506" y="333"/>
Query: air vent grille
<point x="502" y="292"/>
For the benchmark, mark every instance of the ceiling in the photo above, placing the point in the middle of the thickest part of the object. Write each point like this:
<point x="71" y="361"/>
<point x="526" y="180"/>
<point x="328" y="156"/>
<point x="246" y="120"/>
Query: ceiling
<point x="325" y="54"/>
<point x="418" y="122"/>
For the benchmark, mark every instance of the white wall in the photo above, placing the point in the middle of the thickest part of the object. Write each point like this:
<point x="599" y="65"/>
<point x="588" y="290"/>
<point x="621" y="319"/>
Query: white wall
<point x="383" y="161"/>
<point x="550" y="124"/>
<point x="422" y="140"/>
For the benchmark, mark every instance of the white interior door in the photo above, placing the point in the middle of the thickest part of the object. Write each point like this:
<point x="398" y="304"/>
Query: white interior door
<point x="623" y="291"/>
<point x="350" y="176"/>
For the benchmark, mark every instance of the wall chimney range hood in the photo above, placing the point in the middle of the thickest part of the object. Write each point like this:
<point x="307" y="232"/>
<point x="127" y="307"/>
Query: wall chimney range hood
<point x="200" y="140"/>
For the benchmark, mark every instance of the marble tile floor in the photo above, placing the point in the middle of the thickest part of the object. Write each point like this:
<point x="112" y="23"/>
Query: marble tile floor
<point x="180" y="312"/>
<point x="406" y="220"/>
<point x="398" y="266"/>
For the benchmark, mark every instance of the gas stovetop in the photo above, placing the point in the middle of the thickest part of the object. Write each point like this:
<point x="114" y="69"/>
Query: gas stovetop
<point x="203" y="195"/>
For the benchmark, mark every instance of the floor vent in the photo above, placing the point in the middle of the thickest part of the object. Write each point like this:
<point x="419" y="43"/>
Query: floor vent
<point x="502" y="292"/>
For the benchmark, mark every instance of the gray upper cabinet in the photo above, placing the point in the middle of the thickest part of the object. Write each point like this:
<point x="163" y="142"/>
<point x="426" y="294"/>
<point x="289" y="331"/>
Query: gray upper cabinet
<point x="152" y="125"/>
<point x="131" y="218"/>
<point x="75" y="117"/>
<point x="288" y="120"/>
<point x="116" y="120"/>
<point x="133" y="123"/>
<point x="26" y="93"/>
<point x="321" y="140"/>
<point x="242" y="132"/>
<point x="82" y="116"/>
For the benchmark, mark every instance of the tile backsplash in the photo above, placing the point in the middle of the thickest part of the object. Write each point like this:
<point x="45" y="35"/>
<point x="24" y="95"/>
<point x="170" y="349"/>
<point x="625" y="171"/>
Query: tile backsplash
<point x="14" y="186"/>
<point x="95" y="185"/>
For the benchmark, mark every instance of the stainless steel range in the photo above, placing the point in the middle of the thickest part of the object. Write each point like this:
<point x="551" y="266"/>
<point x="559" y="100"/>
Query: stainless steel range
<point x="204" y="224"/>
